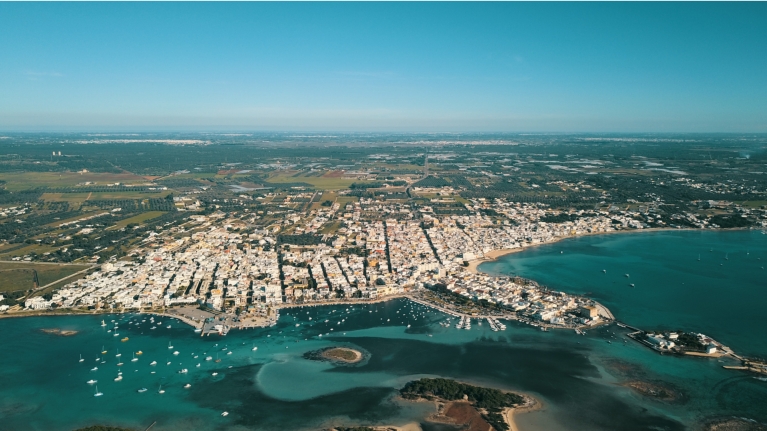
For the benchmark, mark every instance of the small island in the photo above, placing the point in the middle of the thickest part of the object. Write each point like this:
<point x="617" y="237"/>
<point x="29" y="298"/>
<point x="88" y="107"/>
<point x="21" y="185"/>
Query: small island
<point x="656" y="390"/>
<point x="59" y="332"/>
<point x="471" y="406"/>
<point x="343" y="355"/>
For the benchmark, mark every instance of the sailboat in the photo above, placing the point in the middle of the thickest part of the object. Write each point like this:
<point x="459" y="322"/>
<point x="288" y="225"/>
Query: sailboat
<point x="97" y="393"/>
<point x="118" y="354"/>
<point x="134" y="358"/>
<point x="254" y="349"/>
<point x="103" y="352"/>
<point x="81" y="358"/>
<point x="170" y="346"/>
<point x="103" y="323"/>
<point x="698" y="257"/>
<point x="161" y="391"/>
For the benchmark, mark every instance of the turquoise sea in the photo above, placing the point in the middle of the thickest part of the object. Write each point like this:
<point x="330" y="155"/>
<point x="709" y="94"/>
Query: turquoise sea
<point x="723" y="295"/>
<point x="578" y="378"/>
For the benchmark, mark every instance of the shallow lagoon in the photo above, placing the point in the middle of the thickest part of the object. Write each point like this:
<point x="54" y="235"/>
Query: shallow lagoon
<point x="43" y="386"/>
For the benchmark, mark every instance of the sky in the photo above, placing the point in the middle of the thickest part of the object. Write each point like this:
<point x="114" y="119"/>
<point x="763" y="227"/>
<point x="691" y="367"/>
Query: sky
<point x="399" y="67"/>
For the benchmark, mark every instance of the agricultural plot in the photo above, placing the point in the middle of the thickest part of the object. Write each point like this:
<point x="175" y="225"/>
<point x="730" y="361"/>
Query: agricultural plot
<point x="322" y="183"/>
<point x="21" y="275"/>
<point x="29" y="180"/>
<point x="137" y="219"/>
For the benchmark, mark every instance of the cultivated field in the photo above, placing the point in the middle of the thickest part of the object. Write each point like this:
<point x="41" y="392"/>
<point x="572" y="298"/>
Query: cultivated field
<point x="20" y="275"/>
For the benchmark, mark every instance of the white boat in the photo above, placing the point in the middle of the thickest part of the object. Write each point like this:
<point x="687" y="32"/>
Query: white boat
<point x="153" y="363"/>
<point x="134" y="358"/>
<point x="141" y="391"/>
<point x="170" y="346"/>
<point x="118" y="354"/>
<point x="198" y="330"/>
<point x="187" y="386"/>
<point x="119" y="364"/>
<point x="81" y="358"/>
<point x="224" y="413"/>
<point x="118" y="378"/>
<point x="209" y="358"/>
<point x="229" y="353"/>
<point x="183" y="371"/>
<point x="198" y="365"/>
<point x="175" y="353"/>
<point x="91" y="381"/>
<point x="214" y="374"/>
<point x="94" y="369"/>
<point x="254" y="349"/>
<point x="97" y="393"/>
<point x="161" y="391"/>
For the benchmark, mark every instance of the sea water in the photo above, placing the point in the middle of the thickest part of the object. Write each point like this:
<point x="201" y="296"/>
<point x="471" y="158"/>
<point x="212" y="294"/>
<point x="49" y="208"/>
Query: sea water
<point x="723" y="295"/>
<point x="579" y="379"/>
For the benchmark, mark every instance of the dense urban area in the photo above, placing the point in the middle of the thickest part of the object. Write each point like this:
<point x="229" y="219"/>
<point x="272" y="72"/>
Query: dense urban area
<point x="243" y="225"/>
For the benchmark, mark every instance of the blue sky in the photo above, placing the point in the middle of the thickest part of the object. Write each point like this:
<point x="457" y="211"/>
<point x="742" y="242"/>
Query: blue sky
<point x="556" y="67"/>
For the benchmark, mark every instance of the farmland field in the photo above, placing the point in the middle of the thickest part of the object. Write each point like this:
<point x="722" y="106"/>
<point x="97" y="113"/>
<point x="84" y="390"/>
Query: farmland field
<point x="323" y="183"/>
<point x="19" y="275"/>
<point x="30" y="180"/>
<point x="138" y="219"/>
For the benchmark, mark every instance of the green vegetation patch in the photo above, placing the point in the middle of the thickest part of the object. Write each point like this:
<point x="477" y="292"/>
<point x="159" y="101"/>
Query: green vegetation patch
<point x="450" y="390"/>
<point x="137" y="219"/>
<point x="16" y="276"/>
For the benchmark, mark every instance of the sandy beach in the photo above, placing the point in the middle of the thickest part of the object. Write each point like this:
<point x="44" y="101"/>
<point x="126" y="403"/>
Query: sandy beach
<point x="509" y="413"/>
<point x="495" y="254"/>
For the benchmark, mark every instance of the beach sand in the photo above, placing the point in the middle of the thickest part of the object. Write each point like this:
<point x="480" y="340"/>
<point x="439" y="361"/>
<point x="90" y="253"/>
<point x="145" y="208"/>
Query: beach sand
<point x="532" y="405"/>
<point x="495" y="254"/>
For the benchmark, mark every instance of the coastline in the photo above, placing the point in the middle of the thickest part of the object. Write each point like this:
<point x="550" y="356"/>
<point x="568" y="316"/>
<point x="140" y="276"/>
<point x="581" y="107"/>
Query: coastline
<point x="22" y="314"/>
<point x="494" y="255"/>
<point x="530" y="404"/>
<point x="510" y="412"/>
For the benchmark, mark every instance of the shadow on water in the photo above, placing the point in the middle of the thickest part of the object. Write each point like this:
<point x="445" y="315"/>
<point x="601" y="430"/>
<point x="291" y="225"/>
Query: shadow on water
<point x="561" y="376"/>
<point x="249" y="407"/>
<point x="564" y="377"/>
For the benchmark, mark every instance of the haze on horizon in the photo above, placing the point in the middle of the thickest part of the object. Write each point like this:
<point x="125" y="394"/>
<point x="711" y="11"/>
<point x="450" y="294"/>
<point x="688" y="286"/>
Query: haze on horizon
<point x="385" y="67"/>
